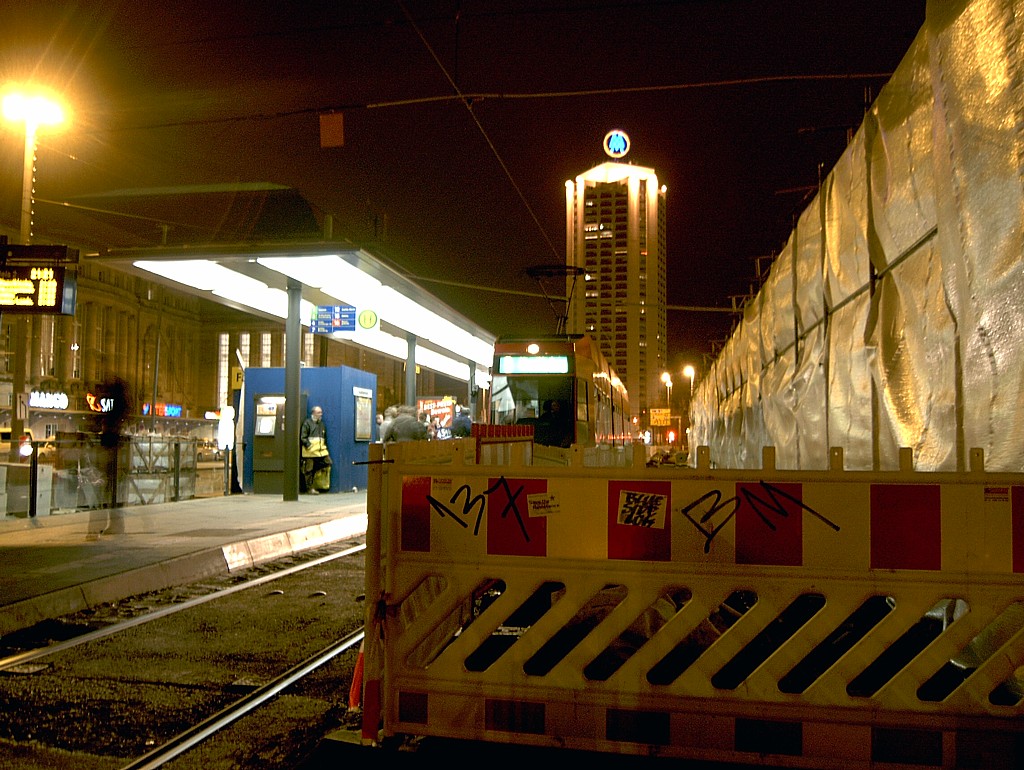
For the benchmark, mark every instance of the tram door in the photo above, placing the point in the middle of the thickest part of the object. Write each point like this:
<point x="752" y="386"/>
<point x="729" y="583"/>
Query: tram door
<point x="268" y="442"/>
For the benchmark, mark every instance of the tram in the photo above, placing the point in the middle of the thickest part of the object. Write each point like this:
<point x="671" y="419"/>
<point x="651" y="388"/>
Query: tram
<point x="564" y="387"/>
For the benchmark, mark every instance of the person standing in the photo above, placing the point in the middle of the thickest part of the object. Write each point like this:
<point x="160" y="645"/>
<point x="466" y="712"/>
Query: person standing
<point x="389" y="416"/>
<point x="406" y="426"/>
<point x="462" y="425"/>
<point x="554" y="426"/>
<point x="316" y="461"/>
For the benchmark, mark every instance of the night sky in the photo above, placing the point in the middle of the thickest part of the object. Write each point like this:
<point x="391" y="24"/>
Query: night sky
<point x="740" y="107"/>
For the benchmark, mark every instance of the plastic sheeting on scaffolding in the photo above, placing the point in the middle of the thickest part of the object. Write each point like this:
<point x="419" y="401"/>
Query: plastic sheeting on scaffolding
<point x="891" y="318"/>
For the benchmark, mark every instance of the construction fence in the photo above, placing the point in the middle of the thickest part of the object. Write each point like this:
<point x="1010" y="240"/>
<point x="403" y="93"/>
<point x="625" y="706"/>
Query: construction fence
<point x="827" y="619"/>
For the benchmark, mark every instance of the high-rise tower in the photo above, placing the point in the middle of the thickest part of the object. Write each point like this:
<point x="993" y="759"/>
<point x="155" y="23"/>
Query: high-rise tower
<point x="615" y="231"/>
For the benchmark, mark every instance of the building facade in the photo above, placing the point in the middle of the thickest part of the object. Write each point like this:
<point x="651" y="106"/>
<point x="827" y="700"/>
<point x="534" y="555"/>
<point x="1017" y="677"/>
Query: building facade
<point x="177" y="350"/>
<point x="615" y="233"/>
<point x="172" y="349"/>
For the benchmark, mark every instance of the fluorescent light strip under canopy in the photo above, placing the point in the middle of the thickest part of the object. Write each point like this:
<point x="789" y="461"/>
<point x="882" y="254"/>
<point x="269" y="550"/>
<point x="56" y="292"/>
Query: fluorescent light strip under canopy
<point x="398" y="347"/>
<point x="348" y="284"/>
<point x="205" y="275"/>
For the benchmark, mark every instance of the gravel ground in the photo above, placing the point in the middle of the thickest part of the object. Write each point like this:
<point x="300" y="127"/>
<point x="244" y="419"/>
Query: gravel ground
<point x="106" y="703"/>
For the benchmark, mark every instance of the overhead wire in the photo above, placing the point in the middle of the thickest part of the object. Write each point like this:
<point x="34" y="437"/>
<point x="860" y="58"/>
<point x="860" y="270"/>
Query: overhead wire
<point x="468" y="103"/>
<point x="468" y="100"/>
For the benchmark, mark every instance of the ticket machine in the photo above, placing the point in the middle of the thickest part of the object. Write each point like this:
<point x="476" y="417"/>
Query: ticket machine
<point x="268" y="442"/>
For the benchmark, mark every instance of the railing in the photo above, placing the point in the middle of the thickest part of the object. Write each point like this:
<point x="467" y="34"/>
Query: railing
<point x="75" y="473"/>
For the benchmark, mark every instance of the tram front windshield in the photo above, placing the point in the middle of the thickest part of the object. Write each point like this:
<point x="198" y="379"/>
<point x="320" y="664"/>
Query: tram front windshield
<point x="519" y="400"/>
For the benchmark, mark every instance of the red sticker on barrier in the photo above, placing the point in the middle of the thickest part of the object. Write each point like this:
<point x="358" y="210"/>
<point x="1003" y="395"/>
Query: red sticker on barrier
<point x="906" y="526"/>
<point x="511" y="531"/>
<point x="769" y="524"/>
<point x="415" y="521"/>
<point x="1017" y="526"/>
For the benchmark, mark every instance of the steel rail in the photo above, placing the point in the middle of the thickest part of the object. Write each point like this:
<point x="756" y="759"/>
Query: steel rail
<point x="186" y="740"/>
<point x="29" y="655"/>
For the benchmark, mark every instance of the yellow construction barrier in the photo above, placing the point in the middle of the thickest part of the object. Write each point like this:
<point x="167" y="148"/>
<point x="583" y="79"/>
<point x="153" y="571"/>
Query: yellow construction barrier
<point x="825" y="619"/>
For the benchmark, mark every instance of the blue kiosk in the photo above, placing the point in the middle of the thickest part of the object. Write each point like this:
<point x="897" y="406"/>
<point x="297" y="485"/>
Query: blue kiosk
<point x="349" y="399"/>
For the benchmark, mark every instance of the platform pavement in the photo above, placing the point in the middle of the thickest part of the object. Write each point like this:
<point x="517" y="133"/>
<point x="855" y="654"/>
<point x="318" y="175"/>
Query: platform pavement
<point x="61" y="563"/>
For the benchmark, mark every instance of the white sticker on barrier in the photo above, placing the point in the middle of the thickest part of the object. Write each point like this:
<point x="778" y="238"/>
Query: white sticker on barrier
<point x="543" y="505"/>
<point x="642" y="509"/>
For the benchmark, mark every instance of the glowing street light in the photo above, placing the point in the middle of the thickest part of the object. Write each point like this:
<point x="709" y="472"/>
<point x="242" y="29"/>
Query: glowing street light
<point x="33" y="109"/>
<point x="667" y="379"/>
<point x="689" y="372"/>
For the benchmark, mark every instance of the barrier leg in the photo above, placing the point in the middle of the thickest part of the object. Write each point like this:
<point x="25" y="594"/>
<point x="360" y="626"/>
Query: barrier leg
<point x="355" y="692"/>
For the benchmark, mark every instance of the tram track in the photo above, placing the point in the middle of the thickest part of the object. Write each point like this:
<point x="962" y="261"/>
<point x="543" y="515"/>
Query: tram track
<point x="10" y="662"/>
<point x="203" y="682"/>
<point x="188" y="739"/>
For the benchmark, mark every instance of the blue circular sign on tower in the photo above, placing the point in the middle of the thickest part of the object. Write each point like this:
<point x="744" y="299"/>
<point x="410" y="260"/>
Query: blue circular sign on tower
<point x="616" y="143"/>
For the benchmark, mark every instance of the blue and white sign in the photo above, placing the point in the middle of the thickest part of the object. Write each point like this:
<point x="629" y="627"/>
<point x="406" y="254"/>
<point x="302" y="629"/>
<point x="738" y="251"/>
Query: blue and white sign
<point x="328" y="319"/>
<point x="616" y="143"/>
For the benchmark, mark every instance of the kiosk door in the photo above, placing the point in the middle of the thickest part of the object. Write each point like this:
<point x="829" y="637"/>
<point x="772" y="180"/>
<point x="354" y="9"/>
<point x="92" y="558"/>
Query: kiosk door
<point x="268" y="443"/>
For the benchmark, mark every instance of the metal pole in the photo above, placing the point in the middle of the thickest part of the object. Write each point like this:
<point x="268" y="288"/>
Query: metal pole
<point x="33" y="480"/>
<point x="292" y="419"/>
<point x="20" y="331"/>
<point x="26" y="182"/>
<point x="156" y="368"/>
<point x="410" y="370"/>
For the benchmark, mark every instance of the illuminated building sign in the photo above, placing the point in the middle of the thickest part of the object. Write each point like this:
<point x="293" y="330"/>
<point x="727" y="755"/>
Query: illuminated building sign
<point x="99" y="404"/>
<point x="164" y="410"/>
<point x="36" y="290"/>
<point x="533" y="364"/>
<point x="616" y="143"/>
<point x="39" y="400"/>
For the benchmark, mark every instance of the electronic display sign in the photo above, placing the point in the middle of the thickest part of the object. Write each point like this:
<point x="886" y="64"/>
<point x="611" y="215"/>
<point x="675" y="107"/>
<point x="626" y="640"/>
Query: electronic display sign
<point x="513" y="364"/>
<point x="39" y="289"/>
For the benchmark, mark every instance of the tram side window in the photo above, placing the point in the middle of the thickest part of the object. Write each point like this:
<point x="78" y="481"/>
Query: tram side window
<point x="582" y="401"/>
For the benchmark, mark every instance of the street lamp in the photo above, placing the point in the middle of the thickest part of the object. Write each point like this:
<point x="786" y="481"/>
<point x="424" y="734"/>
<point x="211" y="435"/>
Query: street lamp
<point x="667" y="379"/>
<point x="33" y="109"/>
<point x="689" y="372"/>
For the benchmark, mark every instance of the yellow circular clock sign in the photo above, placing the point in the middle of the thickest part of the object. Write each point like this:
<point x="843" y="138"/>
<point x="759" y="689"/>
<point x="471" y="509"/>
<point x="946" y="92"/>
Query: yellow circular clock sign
<point x="367" y="319"/>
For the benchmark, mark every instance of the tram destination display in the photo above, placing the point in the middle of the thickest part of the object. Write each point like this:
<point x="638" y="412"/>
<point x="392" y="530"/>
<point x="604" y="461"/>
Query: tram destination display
<point x="39" y="289"/>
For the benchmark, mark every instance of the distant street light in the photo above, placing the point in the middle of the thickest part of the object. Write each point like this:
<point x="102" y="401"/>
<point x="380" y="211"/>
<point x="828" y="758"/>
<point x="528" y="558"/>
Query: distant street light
<point x="689" y="372"/>
<point x="667" y="379"/>
<point x="32" y="109"/>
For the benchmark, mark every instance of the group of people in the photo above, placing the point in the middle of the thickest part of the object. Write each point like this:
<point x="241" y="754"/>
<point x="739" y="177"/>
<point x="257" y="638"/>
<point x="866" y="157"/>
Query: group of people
<point x="397" y="423"/>
<point x="402" y="423"/>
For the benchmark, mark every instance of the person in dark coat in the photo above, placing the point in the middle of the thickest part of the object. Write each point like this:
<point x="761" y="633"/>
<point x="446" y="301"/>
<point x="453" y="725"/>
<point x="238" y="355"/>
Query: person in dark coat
<point x="405" y="427"/>
<point x="462" y="425"/>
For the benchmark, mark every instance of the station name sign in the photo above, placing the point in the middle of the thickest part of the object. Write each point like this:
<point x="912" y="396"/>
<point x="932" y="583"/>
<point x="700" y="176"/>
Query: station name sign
<point x="38" y="289"/>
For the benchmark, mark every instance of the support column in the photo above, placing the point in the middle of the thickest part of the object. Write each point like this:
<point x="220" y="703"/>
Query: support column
<point x="292" y="417"/>
<point x="410" y="370"/>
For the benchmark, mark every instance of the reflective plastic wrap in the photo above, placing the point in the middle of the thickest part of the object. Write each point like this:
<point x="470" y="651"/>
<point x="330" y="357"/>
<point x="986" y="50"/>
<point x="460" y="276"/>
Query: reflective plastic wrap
<point x="903" y="278"/>
<point x="849" y="386"/>
<point x="845" y="229"/>
<point x="808" y="268"/>
<point x="779" y="328"/>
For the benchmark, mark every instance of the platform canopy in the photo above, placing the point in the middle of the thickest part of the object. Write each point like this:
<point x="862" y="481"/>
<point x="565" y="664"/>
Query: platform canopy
<point x="393" y="311"/>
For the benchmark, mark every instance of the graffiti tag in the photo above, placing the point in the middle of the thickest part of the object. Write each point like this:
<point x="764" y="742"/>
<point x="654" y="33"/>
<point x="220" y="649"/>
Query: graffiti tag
<point x="764" y="508"/>
<point x="478" y="502"/>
